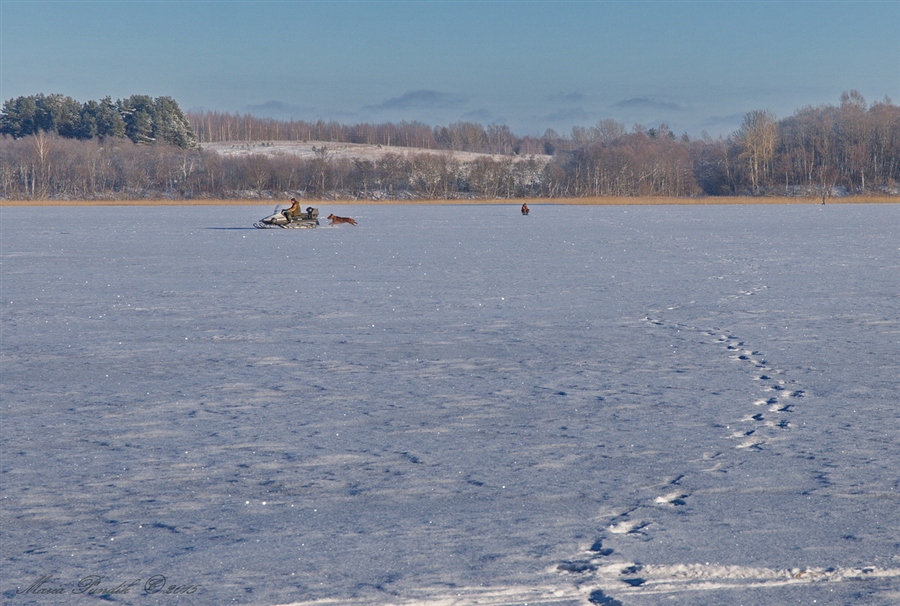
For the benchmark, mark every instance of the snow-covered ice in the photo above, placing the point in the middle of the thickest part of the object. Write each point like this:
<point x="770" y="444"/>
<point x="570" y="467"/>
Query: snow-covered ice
<point x="452" y="405"/>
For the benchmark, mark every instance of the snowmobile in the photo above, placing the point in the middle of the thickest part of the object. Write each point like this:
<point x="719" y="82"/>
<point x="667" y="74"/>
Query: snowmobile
<point x="283" y="218"/>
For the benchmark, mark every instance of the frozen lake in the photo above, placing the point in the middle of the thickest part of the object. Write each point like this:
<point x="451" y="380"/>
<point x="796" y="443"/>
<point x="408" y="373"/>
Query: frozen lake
<point x="451" y="405"/>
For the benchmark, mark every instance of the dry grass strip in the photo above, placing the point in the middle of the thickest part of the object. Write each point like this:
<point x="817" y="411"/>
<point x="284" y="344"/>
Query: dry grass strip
<point x="601" y="201"/>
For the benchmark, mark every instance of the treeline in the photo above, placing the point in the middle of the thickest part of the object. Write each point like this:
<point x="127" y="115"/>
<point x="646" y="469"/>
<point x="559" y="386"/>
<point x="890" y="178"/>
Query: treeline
<point x="139" y="118"/>
<point x="51" y="167"/>
<point x="214" y="127"/>
<point x="850" y="148"/>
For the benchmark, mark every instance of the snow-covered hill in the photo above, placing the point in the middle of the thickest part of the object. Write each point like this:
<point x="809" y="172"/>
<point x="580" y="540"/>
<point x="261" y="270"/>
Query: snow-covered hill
<point x="362" y="151"/>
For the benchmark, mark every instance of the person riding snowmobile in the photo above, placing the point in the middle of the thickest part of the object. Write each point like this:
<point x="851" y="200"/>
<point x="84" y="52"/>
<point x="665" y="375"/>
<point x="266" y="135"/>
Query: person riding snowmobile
<point x="294" y="210"/>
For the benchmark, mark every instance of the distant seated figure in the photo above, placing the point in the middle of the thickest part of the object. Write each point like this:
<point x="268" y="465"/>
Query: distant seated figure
<point x="524" y="209"/>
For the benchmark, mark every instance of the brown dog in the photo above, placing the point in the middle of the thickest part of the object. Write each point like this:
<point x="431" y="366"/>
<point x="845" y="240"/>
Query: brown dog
<point x="335" y="220"/>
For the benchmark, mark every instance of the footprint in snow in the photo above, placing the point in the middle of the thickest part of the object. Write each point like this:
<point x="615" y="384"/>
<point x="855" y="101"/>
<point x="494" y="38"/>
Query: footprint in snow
<point x="749" y="440"/>
<point x="676" y="498"/>
<point x="628" y="527"/>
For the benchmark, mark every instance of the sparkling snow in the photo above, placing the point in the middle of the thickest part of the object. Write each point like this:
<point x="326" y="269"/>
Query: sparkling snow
<point x="452" y="405"/>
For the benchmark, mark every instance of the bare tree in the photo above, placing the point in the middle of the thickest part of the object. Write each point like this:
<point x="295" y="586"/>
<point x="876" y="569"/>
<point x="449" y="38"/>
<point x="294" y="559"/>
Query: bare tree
<point x="42" y="143"/>
<point x="758" y="137"/>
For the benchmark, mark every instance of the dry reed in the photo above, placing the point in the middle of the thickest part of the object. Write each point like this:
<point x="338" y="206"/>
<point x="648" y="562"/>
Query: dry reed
<point x="600" y="201"/>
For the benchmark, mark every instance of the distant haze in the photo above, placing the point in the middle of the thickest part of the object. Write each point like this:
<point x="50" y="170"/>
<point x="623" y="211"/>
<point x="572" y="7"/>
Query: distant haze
<point x="695" y="66"/>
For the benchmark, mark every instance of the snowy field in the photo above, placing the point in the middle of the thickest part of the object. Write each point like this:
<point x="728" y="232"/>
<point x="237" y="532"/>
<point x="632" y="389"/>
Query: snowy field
<point x="349" y="151"/>
<point x="451" y="405"/>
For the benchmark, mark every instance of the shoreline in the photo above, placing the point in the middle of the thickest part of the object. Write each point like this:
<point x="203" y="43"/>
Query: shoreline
<point x="603" y="201"/>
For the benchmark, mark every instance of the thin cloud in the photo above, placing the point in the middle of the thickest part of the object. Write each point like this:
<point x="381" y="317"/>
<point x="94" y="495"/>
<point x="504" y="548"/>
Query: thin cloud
<point x="279" y="110"/>
<point x="724" y="124"/>
<point x="485" y="116"/>
<point x="273" y="109"/>
<point x="717" y="120"/>
<point x="573" y="97"/>
<point x="570" y="114"/>
<point x="646" y="103"/>
<point x="421" y="99"/>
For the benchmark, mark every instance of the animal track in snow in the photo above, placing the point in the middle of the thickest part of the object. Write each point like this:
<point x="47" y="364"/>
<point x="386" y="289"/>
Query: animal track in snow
<point x="779" y="389"/>
<point x="628" y="527"/>
<point x="775" y="391"/>
<point x="673" y="498"/>
<point x="750" y="433"/>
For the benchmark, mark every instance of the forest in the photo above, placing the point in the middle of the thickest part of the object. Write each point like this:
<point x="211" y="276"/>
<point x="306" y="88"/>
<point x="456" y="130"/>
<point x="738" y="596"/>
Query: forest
<point x="53" y="147"/>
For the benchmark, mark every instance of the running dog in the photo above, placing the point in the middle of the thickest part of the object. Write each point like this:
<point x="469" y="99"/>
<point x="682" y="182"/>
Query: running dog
<point x="335" y="220"/>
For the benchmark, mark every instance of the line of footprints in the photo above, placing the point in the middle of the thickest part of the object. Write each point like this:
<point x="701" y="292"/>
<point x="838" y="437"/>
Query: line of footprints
<point x="769" y="411"/>
<point x="778" y="396"/>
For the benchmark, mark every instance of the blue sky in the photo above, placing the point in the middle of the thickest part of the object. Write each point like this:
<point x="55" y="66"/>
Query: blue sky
<point x="697" y="66"/>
